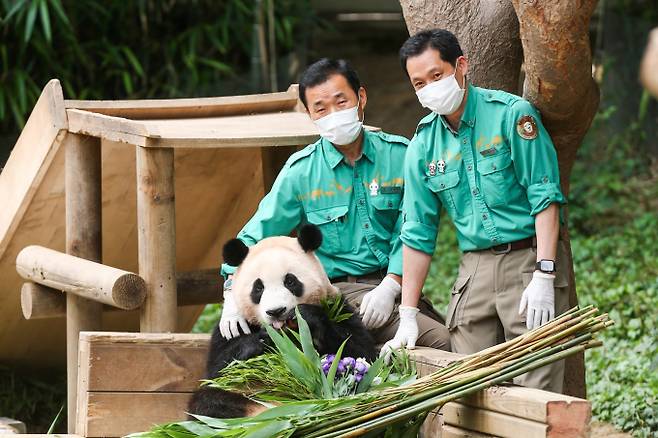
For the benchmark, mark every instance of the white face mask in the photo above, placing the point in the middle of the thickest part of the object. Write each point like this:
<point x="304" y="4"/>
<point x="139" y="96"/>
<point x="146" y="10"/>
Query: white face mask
<point x="443" y="96"/>
<point x="341" y="127"/>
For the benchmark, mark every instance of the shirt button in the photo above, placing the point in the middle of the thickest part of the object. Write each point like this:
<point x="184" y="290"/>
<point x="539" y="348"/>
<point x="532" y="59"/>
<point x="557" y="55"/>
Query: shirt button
<point x="366" y="226"/>
<point x="484" y="216"/>
<point x="442" y="185"/>
<point x="495" y="239"/>
<point x="476" y="191"/>
<point x="390" y="204"/>
<point x="361" y="202"/>
<point x="493" y="167"/>
<point x="469" y="167"/>
<point x="545" y="179"/>
<point x="464" y="141"/>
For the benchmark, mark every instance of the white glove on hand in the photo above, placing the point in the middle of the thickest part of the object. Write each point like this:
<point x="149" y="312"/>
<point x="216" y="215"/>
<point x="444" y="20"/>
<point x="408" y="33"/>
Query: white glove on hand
<point x="377" y="305"/>
<point x="231" y="317"/>
<point x="406" y="335"/>
<point x="539" y="299"/>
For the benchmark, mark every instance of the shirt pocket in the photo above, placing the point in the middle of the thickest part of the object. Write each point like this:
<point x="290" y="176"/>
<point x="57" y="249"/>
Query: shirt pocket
<point x="330" y="221"/>
<point x="497" y="179"/>
<point x="453" y="196"/>
<point x="385" y="209"/>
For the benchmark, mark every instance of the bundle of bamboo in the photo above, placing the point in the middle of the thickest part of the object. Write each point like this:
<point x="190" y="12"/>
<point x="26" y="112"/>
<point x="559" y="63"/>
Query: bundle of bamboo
<point x="407" y="405"/>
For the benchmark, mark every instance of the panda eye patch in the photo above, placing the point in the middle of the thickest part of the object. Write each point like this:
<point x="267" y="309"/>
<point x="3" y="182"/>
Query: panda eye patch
<point x="292" y="283"/>
<point x="257" y="291"/>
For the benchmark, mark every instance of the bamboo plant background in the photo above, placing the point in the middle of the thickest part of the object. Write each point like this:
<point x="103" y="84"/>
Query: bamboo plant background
<point x="132" y="49"/>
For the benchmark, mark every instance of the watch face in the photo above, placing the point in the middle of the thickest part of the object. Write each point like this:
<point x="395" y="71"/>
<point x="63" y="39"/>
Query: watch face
<point x="547" y="265"/>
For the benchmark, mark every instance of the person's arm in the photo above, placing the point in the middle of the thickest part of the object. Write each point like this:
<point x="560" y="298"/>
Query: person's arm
<point x="547" y="228"/>
<point x="535" y="164"/>
<point x="415" y="265"/>
<point x="421" y="210"/>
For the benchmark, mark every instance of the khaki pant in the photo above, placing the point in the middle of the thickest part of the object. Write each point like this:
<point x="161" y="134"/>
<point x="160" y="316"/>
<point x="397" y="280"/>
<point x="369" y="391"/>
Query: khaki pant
<point x="484" y="307"/>
<point x="431" y="329"/>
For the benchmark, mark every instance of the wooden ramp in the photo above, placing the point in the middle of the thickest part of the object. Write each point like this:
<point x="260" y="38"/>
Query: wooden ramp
<point x="224" y="159"/>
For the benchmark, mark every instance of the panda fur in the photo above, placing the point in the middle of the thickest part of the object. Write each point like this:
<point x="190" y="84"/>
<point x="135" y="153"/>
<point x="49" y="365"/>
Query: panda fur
<point x="273" y="277"/>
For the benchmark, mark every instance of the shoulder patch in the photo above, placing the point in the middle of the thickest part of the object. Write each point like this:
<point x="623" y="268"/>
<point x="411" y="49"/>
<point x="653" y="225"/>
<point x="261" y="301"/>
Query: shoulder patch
<point x="526" y="127"/>
<point x="308" y="150"/>
<point x="392" y="138"/>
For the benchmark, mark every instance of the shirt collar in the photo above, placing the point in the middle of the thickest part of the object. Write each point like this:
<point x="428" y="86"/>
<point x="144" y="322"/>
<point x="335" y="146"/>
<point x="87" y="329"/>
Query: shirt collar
<point x="334" y="157"/>
<point x="468" y="116"/>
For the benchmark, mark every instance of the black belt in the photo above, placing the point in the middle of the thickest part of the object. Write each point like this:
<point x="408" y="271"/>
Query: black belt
<point x="504" y="248"/>
<point x="377" y="275"/>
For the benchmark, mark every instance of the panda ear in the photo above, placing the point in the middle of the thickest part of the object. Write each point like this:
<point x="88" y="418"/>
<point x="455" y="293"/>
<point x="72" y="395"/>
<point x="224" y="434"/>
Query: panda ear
<point x="234" y="252"/>
<point x="309" y="237"/>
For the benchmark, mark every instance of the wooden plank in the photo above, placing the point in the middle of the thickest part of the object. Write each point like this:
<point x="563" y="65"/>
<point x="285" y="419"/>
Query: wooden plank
<point x="492" y="423"/>
<point x="116" y="414"/>
<point x="34" y="151"/>
<point x="156" y="221"/>
<point x="189" y="108"/>
<point x="432" y="426"/>
<point x="455" y="432"/>
<point x="84" y="278"/>
<point x="83" y="240"/>
<point x="141" y="362"/>
<point x="109" y="128"/>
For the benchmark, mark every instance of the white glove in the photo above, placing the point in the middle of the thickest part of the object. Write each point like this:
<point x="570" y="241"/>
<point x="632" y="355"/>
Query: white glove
<point x="405" y="336"/>
<point x="231" y="317"/>
<point x="539" y="298"/>
<point x="377" y="305"/>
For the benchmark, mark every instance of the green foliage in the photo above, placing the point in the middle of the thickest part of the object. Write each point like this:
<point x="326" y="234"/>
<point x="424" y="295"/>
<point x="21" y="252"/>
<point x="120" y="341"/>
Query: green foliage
<point x="33" y="399"/>
<point x="128" y="49"/>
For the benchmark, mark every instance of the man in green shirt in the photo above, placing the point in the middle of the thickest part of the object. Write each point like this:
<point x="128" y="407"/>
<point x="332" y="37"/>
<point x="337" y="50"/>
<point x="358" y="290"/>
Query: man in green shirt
<point x="485" y="157"/>
<point x="350" y="184"/>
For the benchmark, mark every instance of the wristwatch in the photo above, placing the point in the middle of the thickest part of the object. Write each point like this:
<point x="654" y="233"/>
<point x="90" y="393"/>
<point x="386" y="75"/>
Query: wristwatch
<point x="546" y="266"/>
<point x="228" y="284"/>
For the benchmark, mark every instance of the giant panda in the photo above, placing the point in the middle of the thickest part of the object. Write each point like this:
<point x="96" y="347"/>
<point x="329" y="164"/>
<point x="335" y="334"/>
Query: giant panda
<point x="273" y="277"/>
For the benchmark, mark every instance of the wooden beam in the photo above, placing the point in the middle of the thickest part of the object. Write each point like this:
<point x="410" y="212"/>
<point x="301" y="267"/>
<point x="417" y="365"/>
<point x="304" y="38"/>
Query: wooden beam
<point x="87" y="279"/>
<point x="156" y="238"/>
<point x="192" y="288"/>
<point x="189" y="108"/>
<point x="83" y="239"/>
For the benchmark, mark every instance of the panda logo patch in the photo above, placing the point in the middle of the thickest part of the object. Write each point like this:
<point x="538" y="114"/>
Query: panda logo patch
<point x="526" y="127"/>
<point x="374" y="188"/>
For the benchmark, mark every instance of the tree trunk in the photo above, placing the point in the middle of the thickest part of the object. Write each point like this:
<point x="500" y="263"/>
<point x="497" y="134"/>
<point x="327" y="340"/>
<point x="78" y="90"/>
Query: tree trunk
<point x="488" y="33"/>
<point x="558" y="81"/>
<point x="558" y="75"/>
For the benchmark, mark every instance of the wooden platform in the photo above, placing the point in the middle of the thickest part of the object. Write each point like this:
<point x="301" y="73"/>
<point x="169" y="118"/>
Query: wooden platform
<point x="130" y="381"/>
<point x="215" y="144"/>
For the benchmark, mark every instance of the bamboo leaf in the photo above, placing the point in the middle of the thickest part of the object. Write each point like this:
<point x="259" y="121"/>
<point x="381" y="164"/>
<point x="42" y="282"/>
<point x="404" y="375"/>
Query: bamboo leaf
<point x="31" y="18"/>
<point x="59" y="10"/>
<point x="132" y="59"/>
<point x="306" y="339"/>
<point x="45" y="19"/>
<point x="14" y="10"/>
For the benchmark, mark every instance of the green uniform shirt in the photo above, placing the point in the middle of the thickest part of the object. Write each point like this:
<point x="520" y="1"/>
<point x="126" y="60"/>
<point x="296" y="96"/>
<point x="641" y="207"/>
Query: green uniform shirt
<point x="358" y="209"/>
<point x="492" y="176"/>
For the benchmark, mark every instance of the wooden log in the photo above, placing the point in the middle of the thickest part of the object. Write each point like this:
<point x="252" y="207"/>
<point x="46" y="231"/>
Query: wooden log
<point x="85" y="278"/>
<point x="82" y="181"/>
<point x="156" y="238"/>
<point x="192" y="288"/>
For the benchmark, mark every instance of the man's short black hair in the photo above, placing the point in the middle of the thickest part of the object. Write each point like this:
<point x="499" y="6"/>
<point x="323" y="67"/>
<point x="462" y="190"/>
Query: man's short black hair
<point x="320" y="71"/>
<point x="444" y="41"/>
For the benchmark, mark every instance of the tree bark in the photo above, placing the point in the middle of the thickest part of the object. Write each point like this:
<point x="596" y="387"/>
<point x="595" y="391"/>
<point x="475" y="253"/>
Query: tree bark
<point x="558" y="75"/>
<point x="488" y="33"/>
<point x="558" y="81"/>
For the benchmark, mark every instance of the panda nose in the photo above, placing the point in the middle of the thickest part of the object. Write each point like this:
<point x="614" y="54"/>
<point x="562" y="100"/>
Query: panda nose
<point x="275" y="313"/>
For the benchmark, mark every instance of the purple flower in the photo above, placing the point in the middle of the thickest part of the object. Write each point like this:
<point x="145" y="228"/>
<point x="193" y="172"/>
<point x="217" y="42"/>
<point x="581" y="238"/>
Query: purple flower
<point x="341" y="368"/>
<point x="361" y="368"/>
<point x="358" y="377"/>
<point x="348" y="362"/>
